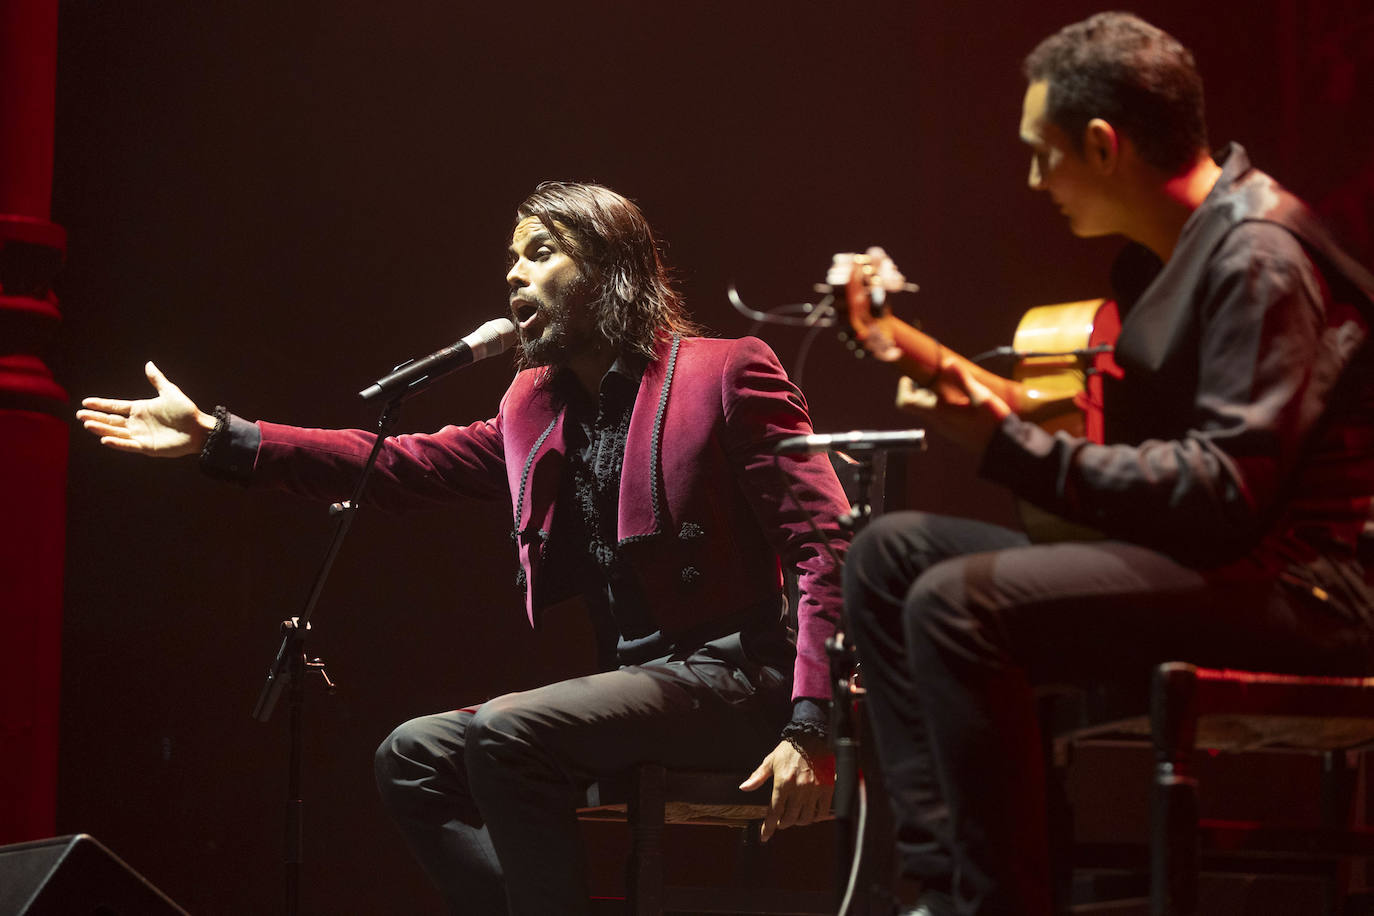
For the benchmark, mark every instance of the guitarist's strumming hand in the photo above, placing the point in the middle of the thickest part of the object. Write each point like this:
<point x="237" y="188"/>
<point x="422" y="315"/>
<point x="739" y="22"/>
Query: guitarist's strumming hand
<point x="966" y="410"/>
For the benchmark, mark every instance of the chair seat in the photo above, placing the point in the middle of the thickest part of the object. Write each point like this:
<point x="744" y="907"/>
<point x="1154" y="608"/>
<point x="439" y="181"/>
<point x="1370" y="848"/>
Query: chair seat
<point x="684" y="813"/>
<point x="1237" y="733"/>
<point x="689" y="797"/>
<point x="1238" y="711"/>
<point x="1233" y="711"/>
<point x="649" y="796"/>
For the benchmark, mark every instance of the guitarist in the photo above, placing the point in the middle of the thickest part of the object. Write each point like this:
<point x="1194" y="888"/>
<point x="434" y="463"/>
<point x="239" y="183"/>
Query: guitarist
<point x="1234" y="495"/>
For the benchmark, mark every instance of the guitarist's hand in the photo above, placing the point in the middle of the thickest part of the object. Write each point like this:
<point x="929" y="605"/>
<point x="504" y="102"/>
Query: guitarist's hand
<point x="966" y="410"/>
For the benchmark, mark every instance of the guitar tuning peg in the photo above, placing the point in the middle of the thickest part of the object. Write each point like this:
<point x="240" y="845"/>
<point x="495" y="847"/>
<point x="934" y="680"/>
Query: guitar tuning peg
<point x="843" y="336"/>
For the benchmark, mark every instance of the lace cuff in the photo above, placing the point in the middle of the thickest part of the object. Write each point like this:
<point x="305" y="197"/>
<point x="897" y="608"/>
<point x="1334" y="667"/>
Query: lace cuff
<point x="231" y="448"/>
<point x="810" y="723"/>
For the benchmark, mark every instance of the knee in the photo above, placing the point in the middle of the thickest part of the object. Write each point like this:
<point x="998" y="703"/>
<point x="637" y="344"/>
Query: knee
<point x="942" y="616"/>
<point x="410" y="754"/>
<point x="882" y="563"/>
<point x="500" y="732"/>
<point x="927" y="609"/>
<point x="399" y="746"/>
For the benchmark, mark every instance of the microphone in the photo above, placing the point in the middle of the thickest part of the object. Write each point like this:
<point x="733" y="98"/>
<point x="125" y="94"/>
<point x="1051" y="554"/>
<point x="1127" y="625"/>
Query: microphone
<point x="858" y="440"/>
<point x="413" y="376"/>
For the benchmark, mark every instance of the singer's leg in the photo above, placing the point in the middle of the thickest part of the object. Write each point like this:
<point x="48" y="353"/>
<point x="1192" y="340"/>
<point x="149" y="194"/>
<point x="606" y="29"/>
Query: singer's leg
<point x="424" y="785"/>
<point x="530" y="754"/>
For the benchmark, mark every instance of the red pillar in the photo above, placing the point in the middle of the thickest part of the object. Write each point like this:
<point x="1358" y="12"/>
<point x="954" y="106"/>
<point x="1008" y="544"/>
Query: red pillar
<point x="33" y="426"/>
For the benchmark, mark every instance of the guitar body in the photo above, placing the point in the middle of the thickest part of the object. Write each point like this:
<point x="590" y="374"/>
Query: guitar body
<point x="1065" y="389"/>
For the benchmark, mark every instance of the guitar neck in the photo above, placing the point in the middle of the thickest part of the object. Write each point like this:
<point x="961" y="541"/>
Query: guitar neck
<point x="922" y="355"/>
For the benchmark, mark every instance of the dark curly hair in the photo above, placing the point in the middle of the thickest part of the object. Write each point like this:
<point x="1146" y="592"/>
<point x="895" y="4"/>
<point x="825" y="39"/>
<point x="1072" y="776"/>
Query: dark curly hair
<point x="1136" y="77"/>
<point x="611" y="241"/>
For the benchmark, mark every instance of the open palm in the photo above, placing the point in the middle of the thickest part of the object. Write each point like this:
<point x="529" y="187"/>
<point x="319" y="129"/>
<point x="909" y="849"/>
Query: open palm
<point x="166" y="426"/>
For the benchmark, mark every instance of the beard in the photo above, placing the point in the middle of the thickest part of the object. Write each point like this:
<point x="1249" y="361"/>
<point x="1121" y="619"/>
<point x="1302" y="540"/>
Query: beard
<point x="559" y="340"/>
<point x="550" y="348"/>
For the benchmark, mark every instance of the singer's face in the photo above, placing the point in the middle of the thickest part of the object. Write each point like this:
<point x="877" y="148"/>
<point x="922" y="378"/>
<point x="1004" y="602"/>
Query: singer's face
<point x="549" y="296"/>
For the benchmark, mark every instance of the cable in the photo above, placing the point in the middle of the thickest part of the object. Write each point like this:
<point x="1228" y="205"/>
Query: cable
<point x="854" y="865"/>
<point x="811" y="313"/>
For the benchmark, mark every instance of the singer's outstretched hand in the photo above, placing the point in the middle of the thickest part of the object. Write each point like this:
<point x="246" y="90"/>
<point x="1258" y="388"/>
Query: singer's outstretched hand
<point x="166" y="426"/>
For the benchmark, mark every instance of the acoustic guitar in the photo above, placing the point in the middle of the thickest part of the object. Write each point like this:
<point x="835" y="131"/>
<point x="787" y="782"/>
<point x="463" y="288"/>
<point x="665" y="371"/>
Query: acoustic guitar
<point x="1062" y="353"/>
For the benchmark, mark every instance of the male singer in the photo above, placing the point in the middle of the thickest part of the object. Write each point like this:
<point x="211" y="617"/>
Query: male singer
<point x="637" y="459"/>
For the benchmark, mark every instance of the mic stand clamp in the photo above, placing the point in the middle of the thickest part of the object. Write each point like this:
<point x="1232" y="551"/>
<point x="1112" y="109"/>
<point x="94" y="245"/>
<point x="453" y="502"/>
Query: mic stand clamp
<point x="288" y="669"/>
<point x="861" y="509"/>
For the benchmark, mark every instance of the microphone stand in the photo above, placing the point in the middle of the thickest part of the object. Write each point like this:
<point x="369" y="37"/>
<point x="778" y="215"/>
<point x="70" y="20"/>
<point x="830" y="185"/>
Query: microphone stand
<point x="844" y="734"/>
<point x="288" y="669"/>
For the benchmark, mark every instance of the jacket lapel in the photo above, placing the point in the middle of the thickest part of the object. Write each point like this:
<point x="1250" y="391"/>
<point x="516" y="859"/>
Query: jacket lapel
<point x="539" y="480"/>
<point x="641" y="512"/>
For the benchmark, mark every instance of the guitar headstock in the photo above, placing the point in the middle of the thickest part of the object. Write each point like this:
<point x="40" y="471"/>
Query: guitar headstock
<point x="860" y="283"/>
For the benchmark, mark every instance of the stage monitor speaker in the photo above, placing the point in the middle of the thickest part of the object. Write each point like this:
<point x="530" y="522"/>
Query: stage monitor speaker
<point x="74" y="876"/>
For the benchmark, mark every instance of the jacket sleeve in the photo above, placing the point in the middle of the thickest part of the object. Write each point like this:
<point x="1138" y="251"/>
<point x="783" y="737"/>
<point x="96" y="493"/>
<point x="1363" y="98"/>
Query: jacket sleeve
<point x="1269" y="356"/>
<point x="797" y="500"/>
<point x="413" y="471"/>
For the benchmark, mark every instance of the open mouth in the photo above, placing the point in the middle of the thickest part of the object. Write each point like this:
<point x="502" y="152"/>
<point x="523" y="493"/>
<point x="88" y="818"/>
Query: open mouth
<point x="524" y="312"/>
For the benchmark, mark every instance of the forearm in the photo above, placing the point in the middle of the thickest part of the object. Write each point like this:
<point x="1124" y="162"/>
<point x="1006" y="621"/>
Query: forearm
<point x="1183" y="497"/>
<point x="418" y="471"/>
<point x="412" y="471"/>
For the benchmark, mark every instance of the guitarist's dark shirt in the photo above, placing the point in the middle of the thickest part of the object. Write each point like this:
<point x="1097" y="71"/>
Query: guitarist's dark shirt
<point x="1242" y="431"/>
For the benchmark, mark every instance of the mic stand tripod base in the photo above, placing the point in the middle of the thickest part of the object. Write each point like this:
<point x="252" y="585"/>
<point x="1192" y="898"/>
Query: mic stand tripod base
<point x="288" y="673"/>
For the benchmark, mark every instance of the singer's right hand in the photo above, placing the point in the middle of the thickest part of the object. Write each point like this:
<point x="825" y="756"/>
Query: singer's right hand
<point x="166" y="426"/>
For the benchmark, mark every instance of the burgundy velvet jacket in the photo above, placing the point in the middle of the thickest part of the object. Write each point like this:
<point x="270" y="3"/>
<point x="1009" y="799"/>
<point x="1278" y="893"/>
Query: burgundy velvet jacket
<point x="704" y="515"/>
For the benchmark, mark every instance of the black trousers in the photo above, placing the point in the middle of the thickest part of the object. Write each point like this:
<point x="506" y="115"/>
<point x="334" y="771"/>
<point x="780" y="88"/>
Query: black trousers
<point x="956" y="621"/>
<point x="486" y="798"/>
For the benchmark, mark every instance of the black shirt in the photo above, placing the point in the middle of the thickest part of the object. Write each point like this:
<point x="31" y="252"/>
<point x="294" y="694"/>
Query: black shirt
<point x="583" y="554"/>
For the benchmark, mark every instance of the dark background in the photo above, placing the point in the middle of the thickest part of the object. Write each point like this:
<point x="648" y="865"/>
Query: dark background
<point x="277" y="201"/>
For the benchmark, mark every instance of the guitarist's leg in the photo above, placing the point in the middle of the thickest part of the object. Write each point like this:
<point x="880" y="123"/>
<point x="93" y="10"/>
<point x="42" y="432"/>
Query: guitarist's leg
<point x="879" y="570"/>
<point x="981" y="630"/>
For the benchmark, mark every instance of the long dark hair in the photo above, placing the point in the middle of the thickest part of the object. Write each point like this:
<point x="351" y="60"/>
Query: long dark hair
<point x="611" y="241"/>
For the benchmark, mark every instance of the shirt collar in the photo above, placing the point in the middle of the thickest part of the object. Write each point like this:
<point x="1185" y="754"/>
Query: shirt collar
<point x="1235" y="166"/>
<point x="626" y="372"/>
<point x="628" y="368"/>
<point x="1234" y="162"/>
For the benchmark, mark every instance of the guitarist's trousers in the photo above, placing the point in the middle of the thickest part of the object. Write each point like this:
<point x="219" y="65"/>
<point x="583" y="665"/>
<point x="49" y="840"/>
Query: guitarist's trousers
<point x="956" y="622"/>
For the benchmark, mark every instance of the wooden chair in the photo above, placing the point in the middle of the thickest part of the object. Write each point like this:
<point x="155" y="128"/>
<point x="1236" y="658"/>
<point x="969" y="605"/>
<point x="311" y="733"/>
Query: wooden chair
<point x="650" y="796"/>
<point x="1228" y="710"/>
